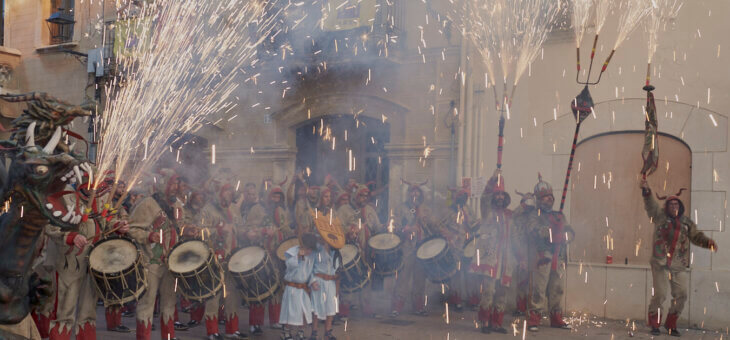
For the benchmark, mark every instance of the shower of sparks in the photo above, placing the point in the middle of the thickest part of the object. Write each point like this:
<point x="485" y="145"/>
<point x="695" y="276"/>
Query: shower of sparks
<point x="581" y="13"/>
<point x="506" y="32"/>
<point x="186" y="68"/>
<point x="603" y="8"/>
<point x="632" y="11"/>
<point x="660" y="12"/>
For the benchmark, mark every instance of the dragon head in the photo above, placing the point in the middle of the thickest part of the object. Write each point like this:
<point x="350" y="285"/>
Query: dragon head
<point x="45" y="178"/>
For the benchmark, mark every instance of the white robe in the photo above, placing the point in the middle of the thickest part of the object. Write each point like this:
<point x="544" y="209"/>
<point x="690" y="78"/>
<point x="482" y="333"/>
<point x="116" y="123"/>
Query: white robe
<point x="324" y="300"/>
<point x="296" y="304"/>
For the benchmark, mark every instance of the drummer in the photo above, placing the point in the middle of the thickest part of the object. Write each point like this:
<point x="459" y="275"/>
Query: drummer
<point x="191" y="230"/>
<point x="363" y="223"/>
<point x="457" y="222"/>
<point x="268" y="231"/>
<point x="154" y="227"/>
<point x="76" y="307"/>
<point x="413" y="220"/>
<point x="219" y="219"/>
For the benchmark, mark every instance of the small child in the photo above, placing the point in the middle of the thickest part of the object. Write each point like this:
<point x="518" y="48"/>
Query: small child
<point x="326" y="262"/>
<point x="296" y="306"/>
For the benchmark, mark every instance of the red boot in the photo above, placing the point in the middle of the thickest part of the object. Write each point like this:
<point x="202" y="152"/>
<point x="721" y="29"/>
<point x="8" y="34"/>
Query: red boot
<point x="671" y="324"/>
<point x="87" y="331"/>
<point x="197" y="313"/>
<point x="474" y="300"/>
<point x="495" y="322"/>
<point x="60" y="333"/>
<point x="144" y="330"/>
<point x="167" y="329"/>
<point x="111" y="318"/>
<point x="654" y="320"/>
<point x="419" y="305"/>
<point x="397" y="305"/>
<point x="533" y="321"/>
<point x="556" y="321"/>
<point x="256" y="314"/>
<point x="344" y="309"/>
<point x="43" y="323"/>
<point x="274" y="311"/>
<point x="484" y="317"/>
<point x="211" y="325"/>
<point x="522" y="304"/>
<point x="232" y="324"/>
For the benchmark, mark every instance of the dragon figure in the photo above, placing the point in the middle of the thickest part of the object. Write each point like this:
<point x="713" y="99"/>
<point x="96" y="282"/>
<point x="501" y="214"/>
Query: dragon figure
<point x="38" y="179"/>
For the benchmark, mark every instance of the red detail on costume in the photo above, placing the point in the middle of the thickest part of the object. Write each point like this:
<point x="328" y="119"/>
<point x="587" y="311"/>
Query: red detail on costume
<point x="175" y="317"/>
<point x="454" y="298"/>
<point x="484" y="316"/>
<point x="87" y="331"/>
<point x="556" y="319"/>
<point x="197" y="313"/>
<point x="43" y="323"/>
<point x="534" y="318"/>
<point x="84" y="217"/>
<point x="167" y="329"/>
<point x="398" y="304"/>
<point x="497" y="318"/>
<point x="522" y="303"/>
<point x="113" y="318"/>
<point x="344" y="309"/>
<point x="506" y="280"/>
<point x="419" y="303"/>
<point x="474" y="299"/>
<point x="211" y="325"/>
<point x="256" y="314"/>
<point x="149" y="237"/>
<point x="274" y="312"/>
<point x="654" y="320"/>
<point x="70" y="238"/>
<point x="557" y="223"/>
<point x="232" y="324"/>
<point x="677" y="226"/>
<point x="671" y="322"/>
<point x="144" y="329"/>
<point x="57" y="334"/>
<point x="97" y="232"/>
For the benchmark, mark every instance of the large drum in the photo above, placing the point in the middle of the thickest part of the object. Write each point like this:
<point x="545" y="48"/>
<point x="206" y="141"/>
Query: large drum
<point x="116" y="270"/>
<point x="470" y="250"/>
<point x="355" y="272"/>
<point x="438" y="260"/>
<point x="255" y="273"/>
<point x="198" y="274"/>
<point x="386" y="253"/>
<point x="284" y="246"/>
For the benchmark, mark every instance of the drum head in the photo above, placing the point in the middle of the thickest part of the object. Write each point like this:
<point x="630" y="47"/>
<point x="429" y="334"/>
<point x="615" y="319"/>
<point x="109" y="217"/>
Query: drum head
<point x="284" y="246"/>
<point x="113" y="256"/>
<point x="348" y="252"/>
<point x="470" y="249"/>
<point x="384" y="241"/>
<point x="188" y="256"/>
<point x="246" y="259"/>
<point x="431" y="248"/>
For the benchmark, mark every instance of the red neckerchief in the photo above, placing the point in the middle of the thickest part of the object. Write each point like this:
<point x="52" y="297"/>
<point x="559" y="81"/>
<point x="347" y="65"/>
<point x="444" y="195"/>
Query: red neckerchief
<point x="677" y="226"/>
<point x="559" y="224"/>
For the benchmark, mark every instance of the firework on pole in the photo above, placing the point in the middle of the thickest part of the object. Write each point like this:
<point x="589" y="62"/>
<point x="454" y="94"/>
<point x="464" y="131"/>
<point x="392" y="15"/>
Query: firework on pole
<point x="582" y="106"/>
<point x="661" y="11"/>
<point x="188" y="67"/>
<point x="650" y="152"/>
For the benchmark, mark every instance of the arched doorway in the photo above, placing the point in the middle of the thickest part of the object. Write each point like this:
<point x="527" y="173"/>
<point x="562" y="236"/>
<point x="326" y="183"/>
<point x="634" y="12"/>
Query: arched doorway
<point x="607" y="210"/>
<point x="345" y="147"/>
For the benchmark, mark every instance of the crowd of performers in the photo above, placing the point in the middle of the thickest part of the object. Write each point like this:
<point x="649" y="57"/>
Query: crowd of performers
<point x="522" y="249"/>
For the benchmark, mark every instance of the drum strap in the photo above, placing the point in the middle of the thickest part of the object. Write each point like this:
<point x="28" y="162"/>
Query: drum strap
<point x="167" y="209"/>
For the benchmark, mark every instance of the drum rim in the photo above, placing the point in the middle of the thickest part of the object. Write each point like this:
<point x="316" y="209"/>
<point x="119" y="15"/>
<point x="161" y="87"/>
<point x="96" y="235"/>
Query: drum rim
<point x="400" y="241"/>
<point x="368" y="273"/>
<point x="357" y="253"/>
<point x="466" y="243"/>
<point x="432" y="237"/>
<point x="239" y="276"/>
<point x="167" y="258"/>
<point x="138" y="267"/>
<point x="281" y="244"/>
<point x="228" y="260"/>
<point x="114" y="237"/>
<point x="190" y="274"/>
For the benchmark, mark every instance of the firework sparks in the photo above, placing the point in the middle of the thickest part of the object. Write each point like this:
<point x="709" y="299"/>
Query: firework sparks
<point x="185" y="69"/>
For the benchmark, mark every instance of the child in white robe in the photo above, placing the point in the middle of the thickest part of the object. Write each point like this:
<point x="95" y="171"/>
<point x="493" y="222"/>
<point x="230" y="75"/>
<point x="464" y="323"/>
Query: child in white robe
<point x="296" y="305"/>
<point x="325" y="300"/>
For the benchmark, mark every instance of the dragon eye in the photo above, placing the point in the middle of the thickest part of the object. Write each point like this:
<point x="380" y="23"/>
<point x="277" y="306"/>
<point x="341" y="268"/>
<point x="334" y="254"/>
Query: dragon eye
<point x="41" y="170"/>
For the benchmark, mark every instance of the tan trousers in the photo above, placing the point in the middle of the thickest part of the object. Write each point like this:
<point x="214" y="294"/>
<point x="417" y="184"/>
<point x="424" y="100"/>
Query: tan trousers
<point x="231" y="300"/>
<point x="24" y="329"/>
<point x="547" y="288"/>
<point x="75" y="296"/>
<point x="158" y="279"/>
<point x="493" y="294"/>
<point x="411" y="280"/>
<point x="677" y="282"/>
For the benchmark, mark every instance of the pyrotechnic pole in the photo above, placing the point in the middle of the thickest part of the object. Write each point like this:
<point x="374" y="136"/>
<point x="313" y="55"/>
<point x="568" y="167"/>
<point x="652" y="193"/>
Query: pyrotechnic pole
<point x="570" y="165"/>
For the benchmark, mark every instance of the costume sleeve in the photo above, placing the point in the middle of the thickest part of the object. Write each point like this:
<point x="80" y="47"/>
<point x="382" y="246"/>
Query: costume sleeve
<point x="57" y="235"/>
<point x="141" y="219"/>
<point x="697" y="237"/>
<point x="485" y="200"/>
<point x="652" y="208"/>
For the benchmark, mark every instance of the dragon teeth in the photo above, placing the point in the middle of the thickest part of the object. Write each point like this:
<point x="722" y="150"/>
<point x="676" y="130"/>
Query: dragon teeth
<point x="49" y="206"/>
<point x="57" y="213"/>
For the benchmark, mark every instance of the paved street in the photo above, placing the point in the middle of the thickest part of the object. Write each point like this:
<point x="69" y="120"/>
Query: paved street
<point x="461" y="326"/>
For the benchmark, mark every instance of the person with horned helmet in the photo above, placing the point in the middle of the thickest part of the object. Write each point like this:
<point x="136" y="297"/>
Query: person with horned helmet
<point x="219" y="219"/>
<point x="413" y="221"/>
<point x="519" y="245"/>
<point x="549" y="234"/>
<point x="77" y="296"/>
<point x="250" y="200"/>
<point x="191" y="230"/>
<point x="303" y="208"/>
<point x="456" y="225"/>
<point x="274" y="228"/>
<point x="346" y="214"/>
<point x="673" y="232"/>
<point x="493" y="258"/>
<point x="154" y="225"/>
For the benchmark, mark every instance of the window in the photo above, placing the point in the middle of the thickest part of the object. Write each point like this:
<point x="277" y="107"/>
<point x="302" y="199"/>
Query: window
<point x="61" y="22"/>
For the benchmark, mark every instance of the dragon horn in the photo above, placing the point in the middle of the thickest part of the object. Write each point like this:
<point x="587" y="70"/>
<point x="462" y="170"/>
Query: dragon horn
<point x="680" y="191"/>
<point x="284" y="181"/>
<point x="661" y="197"/>
<point x="53" y="142"/>
<point x="30" y="135"/>
<point x="424" y="183"/>
<point x="406" y="182"/>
